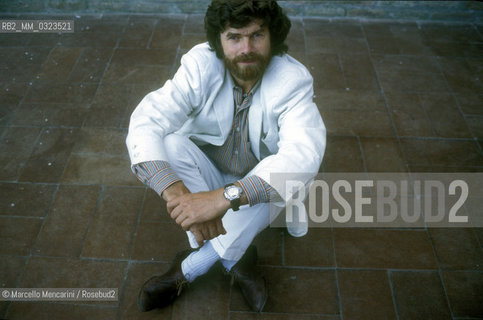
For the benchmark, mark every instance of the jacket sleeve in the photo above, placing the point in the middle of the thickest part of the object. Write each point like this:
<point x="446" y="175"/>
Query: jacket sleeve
<point x="301" y="132"/>
<point x="164" y="111"/>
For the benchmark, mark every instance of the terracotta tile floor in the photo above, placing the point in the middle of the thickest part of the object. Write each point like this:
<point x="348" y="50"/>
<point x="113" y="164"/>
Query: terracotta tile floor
<point x="396" y="96"/>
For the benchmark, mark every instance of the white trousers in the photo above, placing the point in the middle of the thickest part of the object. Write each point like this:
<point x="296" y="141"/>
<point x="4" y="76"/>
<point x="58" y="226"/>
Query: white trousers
<point x="199" y="173"/>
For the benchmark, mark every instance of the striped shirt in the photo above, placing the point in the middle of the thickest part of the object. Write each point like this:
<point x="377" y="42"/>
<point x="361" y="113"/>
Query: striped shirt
<point x="233" y="157"/>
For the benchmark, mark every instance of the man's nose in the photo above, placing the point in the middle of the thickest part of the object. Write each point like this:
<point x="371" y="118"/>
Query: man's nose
<point x="247" y="46"/>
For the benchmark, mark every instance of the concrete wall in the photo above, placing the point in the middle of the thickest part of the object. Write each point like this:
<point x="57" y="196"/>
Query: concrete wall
<point x="469" y="11"/>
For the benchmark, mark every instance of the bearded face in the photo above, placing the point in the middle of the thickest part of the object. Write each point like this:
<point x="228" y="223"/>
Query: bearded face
<point x="247" y="51"/>
<point x="247" y="67"/>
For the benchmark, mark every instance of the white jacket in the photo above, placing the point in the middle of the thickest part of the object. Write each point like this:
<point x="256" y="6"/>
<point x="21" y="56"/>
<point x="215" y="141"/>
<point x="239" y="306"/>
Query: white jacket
<point x="286" y="131"/>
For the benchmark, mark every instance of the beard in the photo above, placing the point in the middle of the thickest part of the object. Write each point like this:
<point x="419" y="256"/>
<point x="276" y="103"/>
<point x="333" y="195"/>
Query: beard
<point x="247" y="72"/>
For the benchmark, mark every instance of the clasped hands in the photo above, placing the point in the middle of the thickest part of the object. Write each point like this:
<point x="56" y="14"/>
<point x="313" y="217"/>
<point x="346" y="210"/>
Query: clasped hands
<point x="199" y="213"/>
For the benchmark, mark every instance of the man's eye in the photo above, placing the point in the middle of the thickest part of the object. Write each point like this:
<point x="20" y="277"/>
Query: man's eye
<point x="234" y="37"/>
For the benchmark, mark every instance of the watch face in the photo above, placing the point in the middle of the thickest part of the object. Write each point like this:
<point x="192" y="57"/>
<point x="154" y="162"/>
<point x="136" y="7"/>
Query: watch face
<point x="232" y="192"/>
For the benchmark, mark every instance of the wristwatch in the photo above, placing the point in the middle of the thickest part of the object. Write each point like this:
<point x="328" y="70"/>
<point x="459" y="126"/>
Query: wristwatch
<point x="233" y="194"/>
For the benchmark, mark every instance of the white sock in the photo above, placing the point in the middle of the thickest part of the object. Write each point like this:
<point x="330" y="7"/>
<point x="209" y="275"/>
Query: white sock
<point x="199" y="262"/>
<point x="228" y="264"/>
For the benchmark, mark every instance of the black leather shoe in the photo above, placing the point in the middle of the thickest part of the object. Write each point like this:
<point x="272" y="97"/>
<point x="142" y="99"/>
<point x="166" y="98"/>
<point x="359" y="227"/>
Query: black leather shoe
<point x="252" y="284"/>
<point x="161" y="291"/>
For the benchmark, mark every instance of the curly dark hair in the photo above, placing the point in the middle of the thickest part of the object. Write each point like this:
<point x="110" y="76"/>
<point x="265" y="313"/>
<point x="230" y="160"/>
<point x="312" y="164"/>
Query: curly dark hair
<point x="222" y="14"/>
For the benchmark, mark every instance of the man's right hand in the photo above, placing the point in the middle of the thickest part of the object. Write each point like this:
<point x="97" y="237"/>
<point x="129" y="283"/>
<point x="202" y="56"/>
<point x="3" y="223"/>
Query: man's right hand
<point x="202" y="231"/>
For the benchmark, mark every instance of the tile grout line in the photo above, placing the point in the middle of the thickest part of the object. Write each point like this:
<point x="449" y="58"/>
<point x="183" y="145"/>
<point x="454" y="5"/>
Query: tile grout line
<point x="126" y="114"/>
<point x="116" y="47"/>
<point x="21" y="101"/>
<point x="282" y="244"/>
<point x="336" y="274"/>
<point x="460" y="110"/>
<point x="31" y="153"/>
<point x="480" y="242"/>
<point x="282" y="313"/>
<point x="150" y="40"/>
<point x="307" y="268"/>
<point x="27" y="258"/>
<point x="381" y="91"/>
<point x="436" y="138"/>
<point x="341" y="67"/>
<point x="361" y="150"/>
<point x="93" y="214"/>
<point x="81" y="54"/>
<point x="138" y="220"/>
<point x="451" y="92"/>
<point x="479" y="146"/>
<point x="49" y="208"/>
<point x="386" y="103"/>
<point x="475" y="27"/>
<point x="131" y="249"/>
<point x="393" y="293"/>
<point x="426" y="114"/>
<point x="360" y="268"/>
<point x="323" y="18"/>
<point x="440" y="273"/>
<point x="77" y="133"/>
<point x="67" y="303"/>
<point x="428" y="138"/>
<point x="121" y="290"/>
<point x="230" y="297"/>
<point x="178" y="48"/>
<point x="127" y="85"/>
<point x="339" y="297"/>
<point x="304" y="37"/>
<point x="125" y="186"/>
<point x="101" y="76"/>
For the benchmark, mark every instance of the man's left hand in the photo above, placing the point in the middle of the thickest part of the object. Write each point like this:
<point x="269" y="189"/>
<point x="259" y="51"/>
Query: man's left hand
<point x="207" y="230"/>
<point x="193" y="208"/>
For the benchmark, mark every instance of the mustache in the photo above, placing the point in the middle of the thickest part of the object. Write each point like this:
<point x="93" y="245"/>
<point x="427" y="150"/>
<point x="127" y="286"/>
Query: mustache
<point x="248" y="57"/>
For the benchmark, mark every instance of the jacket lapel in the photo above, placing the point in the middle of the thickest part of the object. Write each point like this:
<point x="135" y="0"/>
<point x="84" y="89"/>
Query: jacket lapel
<point x="224" y="107"/>
<point x="255" y="115"/>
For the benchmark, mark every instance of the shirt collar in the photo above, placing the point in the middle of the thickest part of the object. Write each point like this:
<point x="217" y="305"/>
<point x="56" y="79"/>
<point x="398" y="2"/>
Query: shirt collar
<point x="238" y="91"/>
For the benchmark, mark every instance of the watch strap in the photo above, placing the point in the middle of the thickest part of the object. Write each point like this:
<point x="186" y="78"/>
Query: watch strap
<point x="235" y="204"/>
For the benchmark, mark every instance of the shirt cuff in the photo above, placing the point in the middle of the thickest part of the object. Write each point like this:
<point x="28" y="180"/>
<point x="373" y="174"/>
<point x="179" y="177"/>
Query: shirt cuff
<point x="257" y="190"/>
<point x="158" y="175"/>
